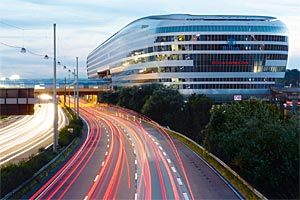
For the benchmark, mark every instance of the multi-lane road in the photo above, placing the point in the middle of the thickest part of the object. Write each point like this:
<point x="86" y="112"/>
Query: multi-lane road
<point x="23" y="136"/>
<point x="123" y="158"/>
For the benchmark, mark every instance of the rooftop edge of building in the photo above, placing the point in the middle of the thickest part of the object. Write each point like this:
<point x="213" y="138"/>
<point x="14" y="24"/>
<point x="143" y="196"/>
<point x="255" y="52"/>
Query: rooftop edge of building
<point x="191" y="17"/>
<point x="210" y="17"/>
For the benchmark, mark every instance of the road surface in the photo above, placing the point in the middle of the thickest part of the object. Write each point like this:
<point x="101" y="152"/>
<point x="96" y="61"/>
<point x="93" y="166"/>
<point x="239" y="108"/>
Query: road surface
<point x="25" y="135"/>
<point x="124" y="158"/>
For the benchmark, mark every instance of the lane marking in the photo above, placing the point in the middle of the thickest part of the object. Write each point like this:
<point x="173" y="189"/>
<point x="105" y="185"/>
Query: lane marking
<point x="108" y="146"/>
<point x="186" y="197"/>
<point x="85" y="198"/>
<point x="179" y="181"/>
<point x="135" y="162"/>
<point x="106" y="153"/>
<point x="102" y="163"/>
<point x="160" y="148"/>
<point x="135" y="176"/>
<point x="240" y="196"/>
<point x="96" y="178"/>
<point x="169" y="161"/>
<point x="135" y="196"/>
<point x="174" y="169"/>
<point x="164" y="153"/>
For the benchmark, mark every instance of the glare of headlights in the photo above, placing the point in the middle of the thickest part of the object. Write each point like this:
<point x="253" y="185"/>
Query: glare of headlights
<point x="45" y="97"/>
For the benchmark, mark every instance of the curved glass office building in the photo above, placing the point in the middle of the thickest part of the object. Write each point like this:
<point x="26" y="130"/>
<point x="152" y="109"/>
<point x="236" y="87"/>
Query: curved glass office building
<point x="223" y="57"/>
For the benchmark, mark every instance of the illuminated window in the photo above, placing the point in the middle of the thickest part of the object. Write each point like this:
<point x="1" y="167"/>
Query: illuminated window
<point x="181" y="38"/>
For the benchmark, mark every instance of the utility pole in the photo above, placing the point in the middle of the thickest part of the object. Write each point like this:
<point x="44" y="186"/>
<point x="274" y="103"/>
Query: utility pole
<point x="55" y="121"/>
<point x="69" y="88"/>
<point x="77" y="93"/>
<point x="74" y="91"/>
<point x="65" y="92"/>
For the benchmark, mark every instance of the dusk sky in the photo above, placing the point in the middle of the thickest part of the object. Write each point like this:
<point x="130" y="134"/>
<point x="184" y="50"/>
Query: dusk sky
<point x="83" y="25"/>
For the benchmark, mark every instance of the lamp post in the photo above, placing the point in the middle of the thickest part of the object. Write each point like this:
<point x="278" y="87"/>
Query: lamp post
<point x="69" y="85"/>
<point x="74" y="91"/>
<point x="77" y="93"/>
<point x="55" y="121"/>
<point x="65" y="90"/>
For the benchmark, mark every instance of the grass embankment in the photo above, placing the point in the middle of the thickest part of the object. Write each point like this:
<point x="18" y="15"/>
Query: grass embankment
<point x="13" y="175"/>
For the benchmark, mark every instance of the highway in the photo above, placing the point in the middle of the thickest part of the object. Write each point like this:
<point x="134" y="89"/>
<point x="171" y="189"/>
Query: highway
<point x="24" y="135"/>
<point x="123" y="158"/>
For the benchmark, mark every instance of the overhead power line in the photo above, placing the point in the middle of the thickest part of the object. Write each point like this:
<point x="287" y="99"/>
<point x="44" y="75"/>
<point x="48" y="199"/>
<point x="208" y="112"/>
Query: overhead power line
<point x="11" y="25"/>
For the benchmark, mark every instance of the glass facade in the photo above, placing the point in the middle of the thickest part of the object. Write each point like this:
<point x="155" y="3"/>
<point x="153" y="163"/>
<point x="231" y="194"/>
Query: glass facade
<point x="234" y="55"/>
<point x="220" y="28"/>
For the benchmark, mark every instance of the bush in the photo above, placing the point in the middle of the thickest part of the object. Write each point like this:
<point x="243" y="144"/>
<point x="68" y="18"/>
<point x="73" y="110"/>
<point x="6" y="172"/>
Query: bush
<point x="66" y="137"/>
<point x="13" y="175"/>
<point x="254" y="139"/>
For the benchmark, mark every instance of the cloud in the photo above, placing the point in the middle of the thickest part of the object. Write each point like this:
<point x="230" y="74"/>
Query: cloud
<point x="83" y="25"/>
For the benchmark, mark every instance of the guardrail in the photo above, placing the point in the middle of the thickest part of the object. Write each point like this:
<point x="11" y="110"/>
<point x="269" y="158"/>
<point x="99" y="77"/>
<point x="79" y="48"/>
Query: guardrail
<point x="242" y="185"/>
<point x="45" y="167"/>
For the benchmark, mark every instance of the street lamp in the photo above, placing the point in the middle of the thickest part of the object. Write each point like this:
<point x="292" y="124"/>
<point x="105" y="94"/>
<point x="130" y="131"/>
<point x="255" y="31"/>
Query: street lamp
<point x="23" y="50"/>
<point x="74" y="92"/>
<point x="69" y="85"/>
<point x="76" y="96"/>
<point x="65" y="90"/>
<point x="55" y="121"/>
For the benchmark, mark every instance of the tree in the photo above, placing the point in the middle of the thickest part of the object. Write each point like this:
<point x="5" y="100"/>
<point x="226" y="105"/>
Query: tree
<point x="164" y="106"/>
<point x="110" y="97"/>
<point x="135" y="97"/>
<point x="196" y="116"/>
<point x="292" y="77"/>
<point x="254" y="139"/>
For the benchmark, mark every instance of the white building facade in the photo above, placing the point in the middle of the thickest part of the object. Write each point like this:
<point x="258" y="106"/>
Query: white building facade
<point x="223" y="57"/>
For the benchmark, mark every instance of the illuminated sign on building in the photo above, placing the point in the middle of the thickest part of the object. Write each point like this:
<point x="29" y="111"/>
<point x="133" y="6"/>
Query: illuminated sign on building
<point x="237" y="97"/>
<point x="230" y="48"/>
<point x="230" y="45"/>
<point x="230" y="62"/>
<point x="231" y="42"/>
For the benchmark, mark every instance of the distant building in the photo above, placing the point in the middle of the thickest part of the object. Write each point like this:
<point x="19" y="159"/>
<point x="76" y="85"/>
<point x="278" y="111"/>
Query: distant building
<point x="224" y="57"/>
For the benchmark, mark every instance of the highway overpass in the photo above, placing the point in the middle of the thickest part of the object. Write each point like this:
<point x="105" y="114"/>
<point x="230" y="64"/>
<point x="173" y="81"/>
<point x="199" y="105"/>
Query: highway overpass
<point x="63" y="91"/>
